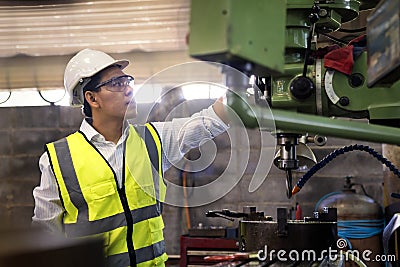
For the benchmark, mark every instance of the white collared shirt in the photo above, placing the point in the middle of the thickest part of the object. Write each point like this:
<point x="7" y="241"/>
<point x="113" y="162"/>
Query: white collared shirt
<point x="177" y="136"/>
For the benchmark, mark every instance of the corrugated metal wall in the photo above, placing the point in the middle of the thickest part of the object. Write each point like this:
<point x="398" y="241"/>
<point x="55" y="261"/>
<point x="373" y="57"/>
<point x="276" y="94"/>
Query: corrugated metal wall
<point x="37" y="38"/>
<point x="117" y="26"/>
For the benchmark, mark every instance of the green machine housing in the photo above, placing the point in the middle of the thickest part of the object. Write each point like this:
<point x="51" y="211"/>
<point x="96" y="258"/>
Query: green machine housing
<point x="248" y="35"/>
<point x="272" y="40"/>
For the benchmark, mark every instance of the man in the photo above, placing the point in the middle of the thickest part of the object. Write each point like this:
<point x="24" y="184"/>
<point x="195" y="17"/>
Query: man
<point x="106" y="179"/>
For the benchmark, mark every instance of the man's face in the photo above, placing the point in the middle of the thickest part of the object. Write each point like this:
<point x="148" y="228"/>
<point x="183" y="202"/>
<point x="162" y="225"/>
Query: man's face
<point x="115" y="104"/>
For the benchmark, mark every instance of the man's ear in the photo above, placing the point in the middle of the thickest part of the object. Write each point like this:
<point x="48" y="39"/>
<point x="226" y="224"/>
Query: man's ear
<point x="91" y="98"/>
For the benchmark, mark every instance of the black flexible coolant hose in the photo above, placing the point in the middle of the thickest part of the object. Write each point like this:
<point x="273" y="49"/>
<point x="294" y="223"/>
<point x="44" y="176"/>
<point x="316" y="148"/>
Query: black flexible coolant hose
<point x="341" y="151"/>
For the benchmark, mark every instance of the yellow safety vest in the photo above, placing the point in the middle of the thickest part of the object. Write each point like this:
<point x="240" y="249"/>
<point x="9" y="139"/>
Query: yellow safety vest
<point x="128" y="218"/>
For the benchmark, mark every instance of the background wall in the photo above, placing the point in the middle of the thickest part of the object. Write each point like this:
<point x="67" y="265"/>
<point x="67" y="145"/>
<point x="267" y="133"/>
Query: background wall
<point x="25" y="130"/>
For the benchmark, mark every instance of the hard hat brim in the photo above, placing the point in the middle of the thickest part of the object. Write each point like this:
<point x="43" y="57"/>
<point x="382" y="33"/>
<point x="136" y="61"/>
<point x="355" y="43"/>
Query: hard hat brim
<point x="123" y="63"/>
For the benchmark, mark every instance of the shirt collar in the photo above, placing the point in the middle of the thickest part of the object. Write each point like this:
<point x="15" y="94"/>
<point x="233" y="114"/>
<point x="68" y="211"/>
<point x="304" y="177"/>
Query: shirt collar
<point x="92" y="135"/>
<point x="90" y="132"/>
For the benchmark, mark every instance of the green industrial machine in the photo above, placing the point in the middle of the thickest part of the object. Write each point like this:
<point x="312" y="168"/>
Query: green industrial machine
<point x="276" y="42"/>
<point x="273" y="39"/>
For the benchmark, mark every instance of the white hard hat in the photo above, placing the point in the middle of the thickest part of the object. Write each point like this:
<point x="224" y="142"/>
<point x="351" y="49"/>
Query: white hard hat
<point x="85" y="64"/>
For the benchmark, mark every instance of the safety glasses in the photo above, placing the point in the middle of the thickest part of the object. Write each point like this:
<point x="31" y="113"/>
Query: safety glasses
<point x="117" y="84"/>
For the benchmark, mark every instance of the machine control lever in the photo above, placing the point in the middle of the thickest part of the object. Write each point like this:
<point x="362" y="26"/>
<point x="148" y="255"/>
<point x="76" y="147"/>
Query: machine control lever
<point x="249" y="213"/>
<point x="226" y="214"/>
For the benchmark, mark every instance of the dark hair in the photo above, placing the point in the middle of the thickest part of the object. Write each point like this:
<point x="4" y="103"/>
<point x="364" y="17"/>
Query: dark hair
<point x="94" y="81"/>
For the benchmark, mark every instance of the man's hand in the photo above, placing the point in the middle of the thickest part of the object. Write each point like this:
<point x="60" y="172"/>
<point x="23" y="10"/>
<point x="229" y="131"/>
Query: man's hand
<point x="220" y="110"/>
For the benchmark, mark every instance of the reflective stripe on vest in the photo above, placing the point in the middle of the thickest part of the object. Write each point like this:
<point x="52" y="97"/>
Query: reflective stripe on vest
<point x="143" y="255"/>
<point x="154" y="148"/>
<point x="90" y="197"/>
